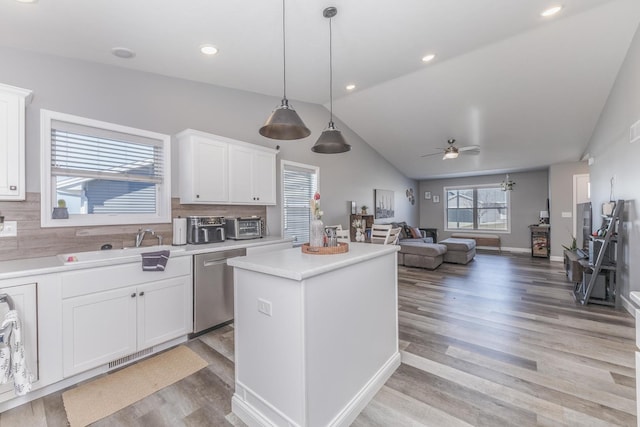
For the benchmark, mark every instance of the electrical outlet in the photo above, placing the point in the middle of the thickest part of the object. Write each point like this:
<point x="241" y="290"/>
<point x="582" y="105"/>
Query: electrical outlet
<point x="264" y="306"/>
<point x="567" y="214"/>
<point x="10" y="229"/>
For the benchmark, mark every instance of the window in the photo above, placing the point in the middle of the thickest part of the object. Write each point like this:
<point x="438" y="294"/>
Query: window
<point x="477" y="208"/>
<point x="299" y="184"/>
<point x="105" y="173"/>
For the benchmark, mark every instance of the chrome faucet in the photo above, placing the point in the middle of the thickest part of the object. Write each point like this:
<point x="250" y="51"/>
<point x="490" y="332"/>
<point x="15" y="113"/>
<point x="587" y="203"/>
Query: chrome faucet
<point x="140" y="235"/>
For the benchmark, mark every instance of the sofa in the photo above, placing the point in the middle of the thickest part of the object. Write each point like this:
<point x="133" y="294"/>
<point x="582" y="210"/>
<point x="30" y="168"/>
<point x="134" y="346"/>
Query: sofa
<point x="417" y="249"/>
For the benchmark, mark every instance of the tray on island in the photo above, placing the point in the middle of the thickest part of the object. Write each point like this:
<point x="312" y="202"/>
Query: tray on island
<point x="325" y="250"/>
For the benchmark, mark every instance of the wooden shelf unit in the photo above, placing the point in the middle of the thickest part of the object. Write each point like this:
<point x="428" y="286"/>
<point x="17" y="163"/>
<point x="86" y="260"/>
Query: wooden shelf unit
<point x="367" y="229"/>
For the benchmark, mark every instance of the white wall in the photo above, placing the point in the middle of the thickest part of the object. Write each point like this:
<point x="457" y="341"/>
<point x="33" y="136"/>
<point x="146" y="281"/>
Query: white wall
<point x="528" y="198"/>
<point x="614" y="157"/>
<point x="168" y="105"/>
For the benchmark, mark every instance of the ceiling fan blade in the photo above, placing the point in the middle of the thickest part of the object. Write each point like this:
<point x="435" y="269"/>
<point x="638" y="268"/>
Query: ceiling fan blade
<point x="469" y="148"/>
<point x="439" y="153"/>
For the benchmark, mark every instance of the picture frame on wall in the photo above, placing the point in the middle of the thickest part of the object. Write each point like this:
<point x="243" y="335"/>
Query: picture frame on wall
<point x="385" y="204"/>
<point x="436" y="199"/>
<point x="427" y="195"/>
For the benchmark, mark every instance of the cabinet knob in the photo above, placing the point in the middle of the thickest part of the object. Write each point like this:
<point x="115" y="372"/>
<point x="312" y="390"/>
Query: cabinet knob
<point x="133" y="295"/>
<point x="197" y="196"/>
<point x="13" y="187"/>
<point x="141" y="294"/>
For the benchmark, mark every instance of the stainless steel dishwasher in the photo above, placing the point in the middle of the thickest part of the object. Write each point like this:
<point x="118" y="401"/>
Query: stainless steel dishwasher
<point x="213" y="289"/>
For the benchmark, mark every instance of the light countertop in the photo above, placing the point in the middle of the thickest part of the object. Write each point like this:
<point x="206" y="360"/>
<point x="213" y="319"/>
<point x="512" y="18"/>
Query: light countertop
<point x="295" y="265"/>
<point x="54" y="264"/>
<point x="635" y="297"/>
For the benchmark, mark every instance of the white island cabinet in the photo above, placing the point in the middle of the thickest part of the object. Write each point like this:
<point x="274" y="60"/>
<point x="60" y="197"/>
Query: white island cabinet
<point x="316" y="336"/>
<point x="635" y="297"/>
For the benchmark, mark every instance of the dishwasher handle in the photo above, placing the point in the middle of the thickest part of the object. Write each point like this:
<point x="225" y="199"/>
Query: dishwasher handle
<point x="215" y="258"/>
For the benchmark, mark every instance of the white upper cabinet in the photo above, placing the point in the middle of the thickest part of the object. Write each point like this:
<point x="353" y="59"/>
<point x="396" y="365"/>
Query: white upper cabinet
<point x="203" y="169"/>
<point x="12" y="142"/>
<point x="252" y="176"/>
<point x="219" y="170"/>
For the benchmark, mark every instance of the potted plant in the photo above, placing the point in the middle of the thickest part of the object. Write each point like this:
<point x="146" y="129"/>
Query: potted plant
<point x="364" y="209"/>
<point x="61" y="211"/>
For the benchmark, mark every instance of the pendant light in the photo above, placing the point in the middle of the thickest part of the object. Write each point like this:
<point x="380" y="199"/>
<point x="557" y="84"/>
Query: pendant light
<point x="331" y="140"/>
<point x="284" y="122"/>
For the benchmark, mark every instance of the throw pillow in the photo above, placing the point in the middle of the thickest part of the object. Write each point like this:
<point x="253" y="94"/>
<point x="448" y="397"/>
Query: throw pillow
<point x="415" y="232"/>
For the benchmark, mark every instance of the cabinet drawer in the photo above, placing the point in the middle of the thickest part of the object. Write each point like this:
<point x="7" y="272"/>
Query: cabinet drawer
<point x="91" y="280"/>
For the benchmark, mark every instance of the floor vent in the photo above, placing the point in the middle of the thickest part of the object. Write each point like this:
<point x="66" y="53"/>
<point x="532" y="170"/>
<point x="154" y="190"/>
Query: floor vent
<point x="130" y="357"/>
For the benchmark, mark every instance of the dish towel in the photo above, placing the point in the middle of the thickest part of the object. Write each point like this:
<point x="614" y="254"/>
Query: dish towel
<point x="155" y="261"/>
<point x="13" y="363"/>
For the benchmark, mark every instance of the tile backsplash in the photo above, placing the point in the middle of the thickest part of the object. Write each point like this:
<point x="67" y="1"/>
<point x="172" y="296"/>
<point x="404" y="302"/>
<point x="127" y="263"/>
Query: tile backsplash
<point x="33" y="241"/>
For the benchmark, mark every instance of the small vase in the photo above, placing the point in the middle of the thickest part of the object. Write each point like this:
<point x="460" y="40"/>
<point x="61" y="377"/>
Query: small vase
<point x="316" y="233"/>
<point x="60" y="213"/>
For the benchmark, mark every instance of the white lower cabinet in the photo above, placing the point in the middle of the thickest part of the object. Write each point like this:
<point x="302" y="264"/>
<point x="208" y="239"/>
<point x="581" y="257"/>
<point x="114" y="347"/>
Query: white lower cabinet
<point x="105" y="325"/>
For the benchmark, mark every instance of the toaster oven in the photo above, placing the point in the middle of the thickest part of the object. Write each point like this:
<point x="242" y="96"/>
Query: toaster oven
<point x="244" y="228"/>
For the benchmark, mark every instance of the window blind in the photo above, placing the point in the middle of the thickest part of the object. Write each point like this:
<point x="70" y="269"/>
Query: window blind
<point x="298" y="187"/>
<point x="87" y="152"/>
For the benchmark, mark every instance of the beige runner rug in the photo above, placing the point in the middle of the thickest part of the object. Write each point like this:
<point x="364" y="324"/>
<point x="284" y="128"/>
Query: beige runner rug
<point x="102" y="397"/>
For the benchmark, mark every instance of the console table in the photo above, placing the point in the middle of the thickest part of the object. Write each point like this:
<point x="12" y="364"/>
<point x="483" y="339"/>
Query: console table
<point x="540" y="246"/>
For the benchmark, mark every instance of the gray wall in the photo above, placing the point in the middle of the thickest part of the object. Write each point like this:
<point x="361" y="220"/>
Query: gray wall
<point x="528" y="198"/>
<point x="615" y="158"/>
<point x="168" y="105"/>
<point x="561" y="200"/>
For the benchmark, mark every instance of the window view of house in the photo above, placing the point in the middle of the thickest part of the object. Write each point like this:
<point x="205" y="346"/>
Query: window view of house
<point x="477" y="208"/>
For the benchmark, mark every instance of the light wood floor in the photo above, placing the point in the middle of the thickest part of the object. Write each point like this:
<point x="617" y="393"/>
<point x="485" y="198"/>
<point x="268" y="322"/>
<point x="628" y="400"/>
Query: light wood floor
<point x="498" y="342"/>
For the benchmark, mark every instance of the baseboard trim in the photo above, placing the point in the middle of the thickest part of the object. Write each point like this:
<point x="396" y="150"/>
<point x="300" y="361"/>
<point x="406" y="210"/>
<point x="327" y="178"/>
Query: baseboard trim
<point x="351" y="411"/>
<point x="628" y="305"/>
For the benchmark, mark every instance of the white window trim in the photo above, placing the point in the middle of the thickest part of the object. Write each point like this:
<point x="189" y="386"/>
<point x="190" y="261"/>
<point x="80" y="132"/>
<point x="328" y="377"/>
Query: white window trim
<point x="458" y="230"/>
<point x="283" y="163"/>
<point x="163" y="199"/>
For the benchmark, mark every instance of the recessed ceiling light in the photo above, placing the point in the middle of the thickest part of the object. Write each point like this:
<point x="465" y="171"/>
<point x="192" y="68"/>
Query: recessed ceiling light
<point x="26" y="1"/>
<point x="551" y="11"/>
<point x="428" y="58"/>
<point x="123" y="52"/>
<point x="350" y="86"/>
<point x="208" y="49"/>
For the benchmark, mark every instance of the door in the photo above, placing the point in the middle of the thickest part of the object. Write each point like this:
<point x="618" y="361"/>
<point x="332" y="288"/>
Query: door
<point x="11" y="146"/>
<point x="97" y="329"/>
<point x="164" y="311"/>
<point x="264" y="178"/>
<point x="210" y="171"/>
<point x="241" y="175"/>
<point x="581" y="194"/>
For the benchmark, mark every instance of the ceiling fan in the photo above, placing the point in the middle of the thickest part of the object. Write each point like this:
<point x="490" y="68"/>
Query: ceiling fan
<point x="452" y="152"/>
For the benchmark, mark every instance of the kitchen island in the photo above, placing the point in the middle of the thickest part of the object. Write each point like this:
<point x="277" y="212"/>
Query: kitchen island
<point x="316" y="336"/>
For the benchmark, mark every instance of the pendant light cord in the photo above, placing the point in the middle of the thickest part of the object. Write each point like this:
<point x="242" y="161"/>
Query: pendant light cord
<point x="284" y="54"/>
<point x="330" y="72"/>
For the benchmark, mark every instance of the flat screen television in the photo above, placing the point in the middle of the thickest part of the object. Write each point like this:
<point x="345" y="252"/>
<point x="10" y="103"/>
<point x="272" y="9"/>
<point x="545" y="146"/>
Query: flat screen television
<point x="584" y="225"/>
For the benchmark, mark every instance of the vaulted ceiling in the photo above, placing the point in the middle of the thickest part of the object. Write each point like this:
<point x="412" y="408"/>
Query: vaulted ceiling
<point x="527" y="89"/>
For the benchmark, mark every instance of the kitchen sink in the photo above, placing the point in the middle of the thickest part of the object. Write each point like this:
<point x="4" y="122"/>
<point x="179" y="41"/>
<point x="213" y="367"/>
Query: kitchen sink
<point x="112" y="254"/>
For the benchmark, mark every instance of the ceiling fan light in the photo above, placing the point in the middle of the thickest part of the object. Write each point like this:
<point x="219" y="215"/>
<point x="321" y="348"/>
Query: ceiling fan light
<point x="450" y="155"/>
<point x="284" y="123"/>
<point x="331" y="141"/>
